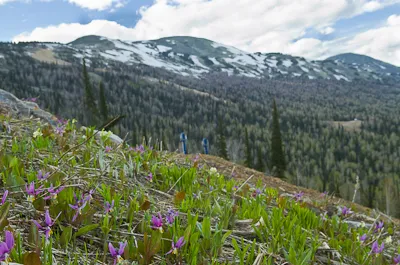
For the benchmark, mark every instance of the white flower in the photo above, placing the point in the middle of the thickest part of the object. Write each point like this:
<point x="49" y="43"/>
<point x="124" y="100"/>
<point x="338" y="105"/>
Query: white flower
<point x="37" y="133"/>
<point x="213" y="170"/>
<point x="388" y="240"/>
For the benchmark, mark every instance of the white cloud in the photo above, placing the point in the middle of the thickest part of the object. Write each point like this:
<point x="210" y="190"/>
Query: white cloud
<point x="327" y="30"/>
<point x="269" y="26"/>
<point x="97" y="4"/>
<point x="2" y="2"/>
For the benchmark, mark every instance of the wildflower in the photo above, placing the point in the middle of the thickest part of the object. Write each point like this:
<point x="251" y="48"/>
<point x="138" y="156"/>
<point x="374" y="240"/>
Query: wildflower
<point x="211" y="188"/>
<point x="140" y="149"/>
<point x="324" y="216"/>
<point x="40" y="175"/>
<point x="157" y="223"/>
<point x="213" y="170"/>
<point x="170" y="217"/>
<point x="346" y="211"/>
<point x="60" y="130"/>
<point x="299" y="196"/>
<point x="48" y="224"/>
<point x="53" y="192"/>
<point x="235" y="188"/>
<point x="379" y="226"/>
<point x="176" y="246"/>
<point x="324" y="194"/>
<point x="195" y="196"/>
<point x="196" y="158"/>
<point x="6" y="247"/>
<point x="389" y="240"/>
<point x="37" y="133"/>
<point x="32" y="192"/>
<point x="376" y="249"/>
<point x="78" y="206"/>
<point x="150" y="177"/>
<point x="108" y="149"/>
<point x="396" y="260"/>
<point x="3" y="200"/>
<point x="117" y="255"/>
<point x="89" y="196"/>
<point x="363" y="238"/>
<point x="257" y="192"/>
<point x="109" y="208"/>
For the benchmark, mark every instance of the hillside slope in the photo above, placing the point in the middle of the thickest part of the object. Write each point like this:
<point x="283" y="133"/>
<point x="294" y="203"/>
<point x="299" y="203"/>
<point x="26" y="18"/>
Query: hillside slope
<point x="189" y="56"/>
<point x="73" y="196"/>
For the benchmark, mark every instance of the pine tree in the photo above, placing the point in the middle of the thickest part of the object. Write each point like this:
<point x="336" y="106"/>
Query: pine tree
<point x="89" y="101"/>
<point x="221" y="140"/>
<point x="278" y="162"/>
<point x="248" y="157"/>
<point x="103" y="103"/>
<point x="260" y="160"/>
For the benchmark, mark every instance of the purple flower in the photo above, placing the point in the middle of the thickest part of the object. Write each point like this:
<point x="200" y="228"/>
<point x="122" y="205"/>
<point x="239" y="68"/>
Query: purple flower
<point x="170" y="217"/>
<point x="196" y="158"/>
<point x="109" y="207"/>
<point x="48" y="224"/>
<point x="40" y="175"/>
<point x="324" y="216"/>
<point x="256" y="192"/>
<point x="60" y="130"/>
<point x="376" y="249"/>
<point x="235" y="188"/>
<point x="32" y="192"/>
<point x="78" y="206"/>
<point x="117" y="255"/>
<point x="3" y="200"/>
<point x="363" y="238"/>
<point x="88" y="196"/>
<point x="150" y="177"/>
<point x="324" y="194"/>
<point x="195" y="196"/>
<point x="299" y="196"/>
<point x="6" y="247"/>
<point x="379" y="226"/>
<point x="157" y="223"/>
<point x="346" y="211"/>
<point x="176" y="246"/>
<point x="396" y="260"/>
<point x="140" y="149"/>
<point x="53" y="192"/>
<point x="108" y="149"/>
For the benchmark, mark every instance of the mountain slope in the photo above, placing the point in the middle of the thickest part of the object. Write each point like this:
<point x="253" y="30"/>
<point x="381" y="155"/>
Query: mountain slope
<point x="191" y="56"/>
<point x="87" y="196"/>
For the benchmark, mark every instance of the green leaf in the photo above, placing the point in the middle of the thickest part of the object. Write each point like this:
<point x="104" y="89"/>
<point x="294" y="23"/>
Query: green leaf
<point x="86" y="229"/>
<point x="34" y="239"/>
<point x="3" y="215"/>
<point x="66" y="236"/>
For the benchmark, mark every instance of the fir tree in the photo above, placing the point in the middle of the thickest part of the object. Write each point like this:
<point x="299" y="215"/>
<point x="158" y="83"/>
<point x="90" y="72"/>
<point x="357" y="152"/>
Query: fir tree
<point x="91" y="112"/>
<point x="278" y="162"/>
<point x="260" y="162"/>
<point x="221" y="140"/>
<point x="248" y="157"/>
<point x="103" y="103"/>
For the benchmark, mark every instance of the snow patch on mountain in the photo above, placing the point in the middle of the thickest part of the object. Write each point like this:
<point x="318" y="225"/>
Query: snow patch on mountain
<point x="287" y="63"/>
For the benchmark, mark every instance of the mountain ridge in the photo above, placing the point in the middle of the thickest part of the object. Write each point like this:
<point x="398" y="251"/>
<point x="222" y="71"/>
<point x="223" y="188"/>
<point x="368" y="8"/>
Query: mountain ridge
<point x="190" y="56"/>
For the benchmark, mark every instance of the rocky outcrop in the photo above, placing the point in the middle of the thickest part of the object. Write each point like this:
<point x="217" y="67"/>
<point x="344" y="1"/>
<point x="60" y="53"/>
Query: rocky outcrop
<point x="11" y="105"/>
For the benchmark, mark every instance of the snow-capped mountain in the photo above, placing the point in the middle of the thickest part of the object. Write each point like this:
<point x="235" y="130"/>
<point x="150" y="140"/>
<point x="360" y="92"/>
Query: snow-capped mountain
<point x="191" y="56"/>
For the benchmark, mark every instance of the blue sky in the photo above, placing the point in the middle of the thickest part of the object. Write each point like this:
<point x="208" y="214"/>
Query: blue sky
<point x="310" y="28"/>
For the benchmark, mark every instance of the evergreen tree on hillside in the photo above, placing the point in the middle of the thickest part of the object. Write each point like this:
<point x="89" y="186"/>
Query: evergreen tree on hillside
<point x="278" y="162"/>
<point x="221" y="140"/>
<point x="91" y="112"/>
<point x="248" y="162"/>
<point x="260" y="166"/>
<point x="103" y="103"/>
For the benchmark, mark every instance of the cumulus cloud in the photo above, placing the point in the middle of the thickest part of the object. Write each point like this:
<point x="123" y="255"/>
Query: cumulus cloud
<point x="269" y="26"/>
<point x="97" y="4"/>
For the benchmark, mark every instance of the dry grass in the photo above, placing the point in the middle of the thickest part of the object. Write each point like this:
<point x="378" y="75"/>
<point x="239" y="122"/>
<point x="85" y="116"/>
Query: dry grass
<point x="47" y="56"/>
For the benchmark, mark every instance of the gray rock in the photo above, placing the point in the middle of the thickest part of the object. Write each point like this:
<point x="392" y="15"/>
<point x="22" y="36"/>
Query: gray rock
<point x="10" y="104"/>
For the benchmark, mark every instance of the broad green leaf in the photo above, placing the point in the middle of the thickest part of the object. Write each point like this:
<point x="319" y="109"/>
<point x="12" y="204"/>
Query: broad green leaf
<point x="86" y="229"/>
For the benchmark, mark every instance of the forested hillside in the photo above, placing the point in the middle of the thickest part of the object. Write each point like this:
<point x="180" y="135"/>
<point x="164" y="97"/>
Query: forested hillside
<point x="333" y="131"/>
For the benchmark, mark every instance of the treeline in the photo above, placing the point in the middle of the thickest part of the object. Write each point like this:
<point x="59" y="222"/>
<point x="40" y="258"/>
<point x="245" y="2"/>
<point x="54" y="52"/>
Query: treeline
<point x="160" y="105"/>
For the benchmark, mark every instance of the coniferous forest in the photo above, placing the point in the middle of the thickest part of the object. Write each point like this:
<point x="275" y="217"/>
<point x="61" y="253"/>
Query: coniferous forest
<point x="332" y="131"/>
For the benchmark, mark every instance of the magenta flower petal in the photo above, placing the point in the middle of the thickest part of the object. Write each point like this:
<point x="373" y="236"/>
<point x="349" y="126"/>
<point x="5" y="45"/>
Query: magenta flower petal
<point x="122" y="248"/>
<point x="112" y="250"/>
<point x="48" y="220"/>
<point x="9" y="240"/>
<point x="37" y="224"/>
<point x="3" y="200"/>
